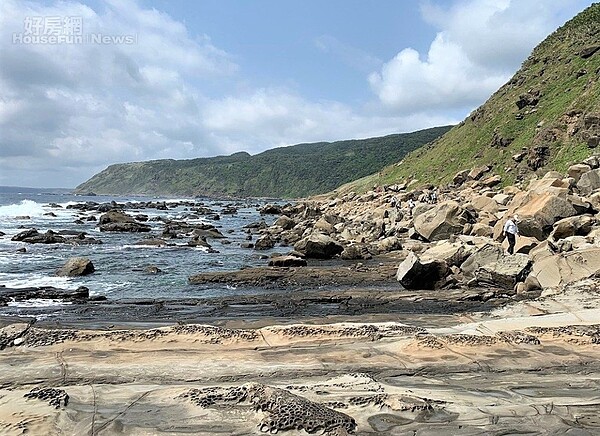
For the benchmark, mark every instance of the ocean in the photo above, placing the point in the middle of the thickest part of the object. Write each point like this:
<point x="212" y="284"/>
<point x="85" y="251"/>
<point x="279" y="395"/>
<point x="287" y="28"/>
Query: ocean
<point x="120" y="264"/>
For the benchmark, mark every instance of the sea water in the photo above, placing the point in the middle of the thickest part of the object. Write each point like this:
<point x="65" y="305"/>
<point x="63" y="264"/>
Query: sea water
<point x="120" y="264"/>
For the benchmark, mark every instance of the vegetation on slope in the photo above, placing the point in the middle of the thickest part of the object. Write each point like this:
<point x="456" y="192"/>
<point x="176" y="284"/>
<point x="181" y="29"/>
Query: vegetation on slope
<point x="546" y="117"/>
<point x="285" y="172"/>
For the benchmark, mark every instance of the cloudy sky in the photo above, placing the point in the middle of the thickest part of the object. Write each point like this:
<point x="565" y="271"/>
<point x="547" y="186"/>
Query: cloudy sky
<point x="142" y="80"/>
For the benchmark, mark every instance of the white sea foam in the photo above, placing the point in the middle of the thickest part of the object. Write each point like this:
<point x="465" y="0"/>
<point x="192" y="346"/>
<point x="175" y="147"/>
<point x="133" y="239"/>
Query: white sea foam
<point x="38" y="302"/>
<point x="24" y="208"/>
<point x="33" y="281"/>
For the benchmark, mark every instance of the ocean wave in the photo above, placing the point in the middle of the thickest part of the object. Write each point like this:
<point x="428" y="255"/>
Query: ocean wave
<point x="28" y="208"/>
<point x="34" y="281"/>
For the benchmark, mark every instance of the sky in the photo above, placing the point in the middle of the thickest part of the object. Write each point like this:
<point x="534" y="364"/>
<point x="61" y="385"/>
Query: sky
<point x="85" y="84"/>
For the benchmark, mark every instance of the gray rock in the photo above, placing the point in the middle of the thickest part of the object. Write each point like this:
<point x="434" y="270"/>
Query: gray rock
<point x="505" y="273"/>
<point x="414" y="274"/>
<point x="287" y="261"/>
<point x="589" y="182"/>
<point x="76" y="266"/>
<point x="319" y="246"/>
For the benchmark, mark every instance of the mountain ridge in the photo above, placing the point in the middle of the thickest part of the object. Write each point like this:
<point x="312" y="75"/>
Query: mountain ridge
<point x="286" y="172"/>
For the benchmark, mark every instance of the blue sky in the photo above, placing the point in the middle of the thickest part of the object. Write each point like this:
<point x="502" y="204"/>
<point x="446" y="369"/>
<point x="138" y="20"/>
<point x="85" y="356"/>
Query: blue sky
<point x="214" y="77"/>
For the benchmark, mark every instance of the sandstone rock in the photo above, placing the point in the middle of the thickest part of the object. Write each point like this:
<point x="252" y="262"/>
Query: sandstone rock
<point x="323" y="226"/>
<point x="505" y="273"/>
<point x="477" y="173"/>
<point x="537" y="213"/>
<point x="523" y="244"/>
<point x="442" y="221"/>
<point x="414" y="274"/>
<point x="356" y="252"/>
<point x="115" y="216"/>
<point x="592" y="161"/>
<point x="76" y="266"/>
<point x="489" y="253"/>
<point x="491" y="181"/>
<point x="319" y="246"/>
<point x="480" y="229"/>
<point x="577" y="170"/>
<point x="460" y="177"/>
<point x="579" y="225"/>
<point x="285" y="222"/>
<point x="501" y="199"/>
<point x="264" y="243"/>
<point x="287" y="261"/>
<point x="553" y="270"/>
<point x="589" y="182"/>
<point x="391" y="243"/>
<point x="452" y="253"/>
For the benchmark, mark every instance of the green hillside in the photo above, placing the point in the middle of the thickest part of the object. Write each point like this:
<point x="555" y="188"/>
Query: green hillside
<point x="285" y="172"/>
<point x="546" y="117"/>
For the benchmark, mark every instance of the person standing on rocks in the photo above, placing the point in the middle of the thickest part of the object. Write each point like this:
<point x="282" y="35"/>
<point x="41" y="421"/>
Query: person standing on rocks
<point x="511" y="231"/>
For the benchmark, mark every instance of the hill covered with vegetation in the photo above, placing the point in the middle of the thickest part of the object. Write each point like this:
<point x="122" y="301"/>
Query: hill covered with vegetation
<point x="285" y="172"/>
<point x="546" y="116"/>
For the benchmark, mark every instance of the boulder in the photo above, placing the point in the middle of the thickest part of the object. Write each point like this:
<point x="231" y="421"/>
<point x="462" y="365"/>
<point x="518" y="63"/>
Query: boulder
<point x="559" y="269"/>
<point x="577" y="170"/>
<point x="505" y="273"/>
<point x="442" y="221"/>
<point x="264" y="243"/>
<point x="285" y="222"/>
<point x="323" y="226"/>
<point x="319" y="246"/>
<point x="452" y="253"/>
<point x="579" y="225"/>
<point x="130" y="227"/>
<point x="32" y="236"/>
<point x="356" y="252"/>
<point x="391" y="243"/>
<point x="115" y="216"/>
<point x="477" y="173"/>
<point x="287" y="261"/>
<point x="480" y="229"/>
<point x="589" y="182"/>
<point x="523" y="244"/>
<point x="489" y="253"/>
<point x="76" y="266"/>
<point x="537" y="213"/>
<point x="414" y="274"/>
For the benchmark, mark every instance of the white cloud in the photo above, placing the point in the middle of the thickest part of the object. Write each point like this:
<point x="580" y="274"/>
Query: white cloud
<point x="479" y="45"/>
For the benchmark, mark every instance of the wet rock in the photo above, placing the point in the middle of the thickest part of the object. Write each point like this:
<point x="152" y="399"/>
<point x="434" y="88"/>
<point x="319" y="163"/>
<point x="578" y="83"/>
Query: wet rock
<point x="356" y="252"/>
<point x="319" y="246"/>
<point x="285" y="222"/>
<point x="32" y="236"/>
<point x="271" y="209"/>
<point x="287" y="261"/>
<point x="264" y="243"/>
<point x="76" y="266"/>
<point x="416" y="274"/>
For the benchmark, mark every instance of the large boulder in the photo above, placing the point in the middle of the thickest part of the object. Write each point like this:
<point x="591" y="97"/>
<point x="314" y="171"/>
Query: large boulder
<point x="319" y="246"/>
<point x="487" y="254"/>
<point x="452" y="253"/>
<point x="285" y="222"/>
<point x="132" y="227"/>
<point x="537" y="213"/>
<point x="559" y="269"/>
<point x="577" y="170"/>
<point x="264" y="243"/>
<point x="442" y="221"/>
<point x="115" y="216"/>
<point x="76" y="266"/>
<point x="579" y="225"/>
<point x="505" y="273"/>
<point x="32" y="236"/>
<point x="589" y="182"/>
<point x="416" y="274"/>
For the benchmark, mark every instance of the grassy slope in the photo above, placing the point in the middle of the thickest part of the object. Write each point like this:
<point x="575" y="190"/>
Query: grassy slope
<point x="295" y="171"/>
<point x="552" y="69"/>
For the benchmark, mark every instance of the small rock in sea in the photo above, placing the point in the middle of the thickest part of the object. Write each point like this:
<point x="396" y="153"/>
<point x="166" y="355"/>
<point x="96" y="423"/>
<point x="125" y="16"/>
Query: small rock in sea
<point x="22" y="250"/>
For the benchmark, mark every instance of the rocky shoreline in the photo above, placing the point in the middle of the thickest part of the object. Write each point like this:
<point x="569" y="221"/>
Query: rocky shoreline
<point x="376" y="317"/>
